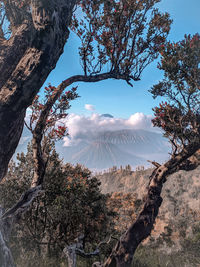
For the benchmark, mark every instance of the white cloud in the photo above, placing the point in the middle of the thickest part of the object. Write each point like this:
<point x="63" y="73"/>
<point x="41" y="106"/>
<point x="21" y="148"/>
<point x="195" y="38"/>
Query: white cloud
<point x="140" y="121"/>
<point x="83" y="128"/>
<point x="89" y="107"/>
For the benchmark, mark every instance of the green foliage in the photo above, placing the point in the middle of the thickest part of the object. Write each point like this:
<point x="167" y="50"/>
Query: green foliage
<point x="50" y="111"/>
<point x="70" y="205"/>
<point x="125" y="35"/>
<point x="192" y="244"/>
<point x="180" y="117"/>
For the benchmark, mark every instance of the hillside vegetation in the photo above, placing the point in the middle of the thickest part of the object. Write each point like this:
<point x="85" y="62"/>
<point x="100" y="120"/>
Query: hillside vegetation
<point x="175" y="240"/>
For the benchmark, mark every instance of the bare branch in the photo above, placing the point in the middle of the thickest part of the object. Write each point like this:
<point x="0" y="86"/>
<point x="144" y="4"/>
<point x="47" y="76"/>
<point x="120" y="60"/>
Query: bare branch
<point x="77" y="249"/>
<point x="156" y="164"/>
<point x="23" y="204"/>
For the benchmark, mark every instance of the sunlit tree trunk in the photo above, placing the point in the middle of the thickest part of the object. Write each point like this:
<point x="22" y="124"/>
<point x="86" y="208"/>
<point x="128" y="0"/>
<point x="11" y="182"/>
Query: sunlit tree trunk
<point x="122" y="254"/>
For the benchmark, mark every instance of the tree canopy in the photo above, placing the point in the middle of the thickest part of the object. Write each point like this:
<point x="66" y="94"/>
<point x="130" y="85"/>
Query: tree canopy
<point x="120" y="36"/>
<point x="180" y="116"/>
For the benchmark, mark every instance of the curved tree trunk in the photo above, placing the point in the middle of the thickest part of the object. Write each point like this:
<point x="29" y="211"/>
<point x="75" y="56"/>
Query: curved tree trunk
<point x="122" y="254"/>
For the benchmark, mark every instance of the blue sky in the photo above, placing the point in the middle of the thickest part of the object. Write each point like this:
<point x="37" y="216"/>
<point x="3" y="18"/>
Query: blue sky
<point x="116" y="97"/>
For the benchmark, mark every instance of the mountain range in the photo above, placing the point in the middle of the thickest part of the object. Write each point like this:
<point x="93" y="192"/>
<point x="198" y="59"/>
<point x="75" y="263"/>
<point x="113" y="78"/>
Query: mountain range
<point x="111" y="148"/>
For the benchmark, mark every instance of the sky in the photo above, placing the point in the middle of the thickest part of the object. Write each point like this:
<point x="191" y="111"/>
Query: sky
<point x="116" y="97"/>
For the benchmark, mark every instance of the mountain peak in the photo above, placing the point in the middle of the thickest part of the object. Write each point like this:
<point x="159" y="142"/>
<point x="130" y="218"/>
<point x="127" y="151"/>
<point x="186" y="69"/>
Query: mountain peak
<point x="106" y="115"/>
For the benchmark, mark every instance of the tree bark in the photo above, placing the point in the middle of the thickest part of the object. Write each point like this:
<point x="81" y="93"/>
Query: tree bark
<point x="122" y="254"/>
<point x="6" y="258"/>
<point x="26" y="60"/>
<point x="39" y="161"/>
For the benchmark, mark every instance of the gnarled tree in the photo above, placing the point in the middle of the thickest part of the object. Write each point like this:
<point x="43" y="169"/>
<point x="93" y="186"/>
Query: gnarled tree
<point x="29" y="49"/>
<point x="179" y="118"/>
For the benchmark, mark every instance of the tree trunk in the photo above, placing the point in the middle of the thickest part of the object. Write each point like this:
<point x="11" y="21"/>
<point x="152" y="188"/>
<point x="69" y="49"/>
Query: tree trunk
<point x="26" y="60"/>
<point x="10" y="132"/>
<point x="6" y="258"/>
<point x="39" y="161"/>
<point x="70" y="252"/>
<point x="122" y="254"/>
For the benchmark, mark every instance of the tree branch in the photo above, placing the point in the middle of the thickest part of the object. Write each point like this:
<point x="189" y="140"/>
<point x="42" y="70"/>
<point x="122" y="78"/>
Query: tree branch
<point x="77" y="249"/>
<point x="41" y="123"/>
<point x="5" y="253"/>
<point x="156" y="164"/>
<point x="10" y="217"/>
<point x="23" y="204"/>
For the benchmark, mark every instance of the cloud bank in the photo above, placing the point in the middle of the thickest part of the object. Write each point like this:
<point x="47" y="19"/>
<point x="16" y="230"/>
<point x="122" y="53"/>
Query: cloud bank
<point x="81" y="127"/>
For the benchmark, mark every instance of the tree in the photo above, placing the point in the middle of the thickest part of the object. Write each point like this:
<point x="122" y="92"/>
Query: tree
<point x="39" y="30"/>
<point x="179" y="118"/>
<point x="71" y="205"/>
<point x="45" y="124"/>
<point x="44" y="128"/>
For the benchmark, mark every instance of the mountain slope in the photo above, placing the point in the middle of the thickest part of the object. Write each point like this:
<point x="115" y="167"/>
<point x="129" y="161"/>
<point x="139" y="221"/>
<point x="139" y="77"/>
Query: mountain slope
<point x="101" y="155"/>
<point x="138" y="142"/>
<point x="122" y="147"/>
<point x="102" y="150"/>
